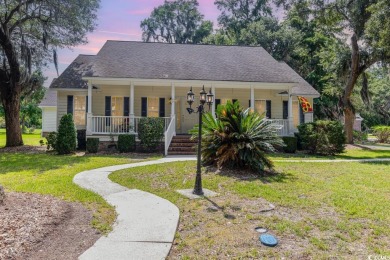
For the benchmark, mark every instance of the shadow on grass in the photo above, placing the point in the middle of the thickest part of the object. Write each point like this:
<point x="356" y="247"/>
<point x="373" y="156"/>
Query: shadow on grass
<point x="265" y="177"/>
<point x="378" y="163"/>
<point x="222" y="209"/>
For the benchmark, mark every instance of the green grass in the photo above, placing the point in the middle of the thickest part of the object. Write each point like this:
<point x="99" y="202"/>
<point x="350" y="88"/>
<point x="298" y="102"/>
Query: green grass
<point x="333" y="209"/>
<point x="52" y="174"/>
<point x="28" y="139"/>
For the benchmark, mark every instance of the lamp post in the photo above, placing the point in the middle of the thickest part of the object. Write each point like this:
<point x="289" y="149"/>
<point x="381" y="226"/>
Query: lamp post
<point x="204" y="98"/>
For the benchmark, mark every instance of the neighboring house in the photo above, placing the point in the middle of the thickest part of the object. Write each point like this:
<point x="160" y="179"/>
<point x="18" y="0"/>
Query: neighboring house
<point x="49" y="112"/>
<point x="109" y="92"/>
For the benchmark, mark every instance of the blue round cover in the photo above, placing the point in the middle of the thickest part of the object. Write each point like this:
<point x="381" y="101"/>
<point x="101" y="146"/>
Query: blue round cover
<point x="268" y="240"/>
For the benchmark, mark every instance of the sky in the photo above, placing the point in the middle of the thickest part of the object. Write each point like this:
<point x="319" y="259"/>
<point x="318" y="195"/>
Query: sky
<point x="119" y="20"/>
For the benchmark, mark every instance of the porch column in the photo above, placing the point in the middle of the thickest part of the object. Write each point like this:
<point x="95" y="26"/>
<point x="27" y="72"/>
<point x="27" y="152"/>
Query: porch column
<point x="213" y="105"/>
<point x="89" y="110"/>
<point x="173" y="106"/>
<point x="290" y="113"/>
<point x="131" y="106"/>
<point x="252" y="98"/>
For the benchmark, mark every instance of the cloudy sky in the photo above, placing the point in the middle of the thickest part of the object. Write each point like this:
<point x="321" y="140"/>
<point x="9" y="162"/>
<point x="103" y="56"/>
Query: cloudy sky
<point x="119" y="20"/>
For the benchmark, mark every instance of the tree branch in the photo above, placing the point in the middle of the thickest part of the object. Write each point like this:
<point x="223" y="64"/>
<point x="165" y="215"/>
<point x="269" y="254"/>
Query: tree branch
<point x="17" y="8"/>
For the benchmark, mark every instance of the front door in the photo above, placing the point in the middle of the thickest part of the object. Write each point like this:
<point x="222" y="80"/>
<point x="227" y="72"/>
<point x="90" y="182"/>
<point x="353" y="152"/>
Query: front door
<point x="188" y="120"/>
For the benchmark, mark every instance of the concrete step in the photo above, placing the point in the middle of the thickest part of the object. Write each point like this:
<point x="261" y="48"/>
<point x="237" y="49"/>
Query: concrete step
<point x="188" y="144"/>
<point x="181" y="153"/>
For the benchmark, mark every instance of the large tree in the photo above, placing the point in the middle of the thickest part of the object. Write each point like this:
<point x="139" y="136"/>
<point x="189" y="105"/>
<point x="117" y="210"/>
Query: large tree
<point x="30" y="32"/>
<point x="176" y="21"/>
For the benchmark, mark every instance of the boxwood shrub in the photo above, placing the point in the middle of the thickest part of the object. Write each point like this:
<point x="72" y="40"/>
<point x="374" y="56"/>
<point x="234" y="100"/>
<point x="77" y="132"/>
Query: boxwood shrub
<point x="291" y="144"/>
<point x="322" y="137"/>
<point x="66" y="136"/>
<point x="126" y="143"/>
<point x="150" y="133"/>
<point x="92" y="145"/>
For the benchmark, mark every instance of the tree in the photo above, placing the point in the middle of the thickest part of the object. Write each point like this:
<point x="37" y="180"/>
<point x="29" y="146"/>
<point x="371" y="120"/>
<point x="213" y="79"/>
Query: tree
<point x="30" y="32"/>
<point x="178" y="21"/>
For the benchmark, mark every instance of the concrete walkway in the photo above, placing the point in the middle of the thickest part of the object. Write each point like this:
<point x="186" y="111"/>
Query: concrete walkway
<point x="146" y="224"/>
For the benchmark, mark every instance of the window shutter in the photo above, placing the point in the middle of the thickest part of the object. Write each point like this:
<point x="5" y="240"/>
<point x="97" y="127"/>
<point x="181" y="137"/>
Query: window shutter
<point x="108" y="109"/>
<point x="69" y="109"/>
<point x="126" y="106"/>
<point x="144" y="106"/>
<point x="249" y="103"/>
<point x="301" y="115"/>
<point x="161" y="109"/>
<point x="234" y="100"/>
<point x="217" y="102"/>
<point x="285" y="109"/>
<point x="86" y="104"/>
<point x="268" y="108"/>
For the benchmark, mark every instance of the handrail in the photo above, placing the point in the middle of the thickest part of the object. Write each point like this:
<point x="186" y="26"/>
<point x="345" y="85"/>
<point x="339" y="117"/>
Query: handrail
<point x="283" y="126"/>
<point x="169" y="133"/>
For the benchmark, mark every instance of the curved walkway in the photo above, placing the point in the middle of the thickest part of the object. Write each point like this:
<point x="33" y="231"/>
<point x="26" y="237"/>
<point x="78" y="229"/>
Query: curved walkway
<point x="146" y="224"/>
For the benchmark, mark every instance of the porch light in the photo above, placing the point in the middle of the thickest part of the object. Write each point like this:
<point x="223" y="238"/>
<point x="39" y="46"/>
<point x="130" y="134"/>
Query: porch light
<point x="190" y="97"/>
<point x="203" y="95"/>
<point x="210" y="98"/>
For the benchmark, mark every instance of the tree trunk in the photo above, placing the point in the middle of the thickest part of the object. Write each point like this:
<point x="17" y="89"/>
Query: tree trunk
<point x="349" y="118"/>
<point x="11" y="105"/>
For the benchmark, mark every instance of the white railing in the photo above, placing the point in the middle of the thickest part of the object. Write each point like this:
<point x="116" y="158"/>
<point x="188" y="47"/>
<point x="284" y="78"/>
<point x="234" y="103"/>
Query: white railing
<point x="169" y="133"/>
<point x="282" y="126"/>
<point x="118" y="124"/>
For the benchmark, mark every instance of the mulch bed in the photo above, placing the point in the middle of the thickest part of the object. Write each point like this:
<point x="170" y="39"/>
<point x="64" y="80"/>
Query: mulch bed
<point x="34" y="226"/>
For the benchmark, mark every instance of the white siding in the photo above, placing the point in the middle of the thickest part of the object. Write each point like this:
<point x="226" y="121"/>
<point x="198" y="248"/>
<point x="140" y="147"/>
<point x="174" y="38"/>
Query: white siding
<point x="49" y="119"/>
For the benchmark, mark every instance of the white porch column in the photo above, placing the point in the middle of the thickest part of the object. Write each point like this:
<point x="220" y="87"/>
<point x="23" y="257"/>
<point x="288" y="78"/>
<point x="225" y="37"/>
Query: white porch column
<point x="290" y="113"/>
<point x="89" y="110"/>
<point x="252" y="98"/>
<point x="213" y="105"/>
<point x="173" y="105"/>
<point x="131" y="106"/>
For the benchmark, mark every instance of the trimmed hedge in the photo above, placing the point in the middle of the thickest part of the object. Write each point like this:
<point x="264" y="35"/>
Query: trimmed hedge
<point x="51" y="141"/>
<point x="291" y="144"/>
<point x="92" y="145"/>
<point x="66" y="136"/>
<point x="126" y="143"/>
<point x="322" y="137"/>
<point x="150" y="132"/>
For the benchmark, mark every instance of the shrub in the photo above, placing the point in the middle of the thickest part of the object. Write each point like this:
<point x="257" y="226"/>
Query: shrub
<point x="2" y="195"/>
<point x="92" y="145"/>
<point x="237" y="138"/>
<point x="322" y="137"/>
<point x="382" y="133"/>
<point x="51" y="141"/>
<point x="359" y="136"/>
<point x="150" y="132"/>
<point x="126" y="143"/>
<point x="291" y="144"/>
<point x="81" y="139"/>
<point x="66" y="136"/>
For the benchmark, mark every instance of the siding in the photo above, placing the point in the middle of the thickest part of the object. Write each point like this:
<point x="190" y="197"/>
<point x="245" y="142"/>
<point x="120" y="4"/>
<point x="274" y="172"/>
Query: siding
<point x="49" y="119"/>
<point x="62" y="103"/>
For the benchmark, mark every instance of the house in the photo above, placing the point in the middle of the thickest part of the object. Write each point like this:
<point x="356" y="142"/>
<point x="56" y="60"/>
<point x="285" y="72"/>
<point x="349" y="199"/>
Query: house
<point x="109" y="92"/>
<point x="48" y="106"/>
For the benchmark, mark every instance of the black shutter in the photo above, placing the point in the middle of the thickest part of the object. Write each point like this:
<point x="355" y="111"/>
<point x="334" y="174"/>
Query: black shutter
<point x="86" y="104"/>
<point x="285" y="109"/>
<point x="217" y="102"/>
<point x="108" y="109"/>
<point x="69" y="109"/>
<point x="249" y="103"/>
<point x="234" y="100"/>
<point x="301" y="115"/>
<point x="144" y="106"/>
<point x="126" y="106"/>
<point x="268" y="108"/>
<point x="162" y="107"/>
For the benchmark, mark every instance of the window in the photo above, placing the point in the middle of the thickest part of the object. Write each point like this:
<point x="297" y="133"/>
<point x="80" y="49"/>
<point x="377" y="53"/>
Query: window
<point x="117" y="106"/>
<point x="260" y="106"/>
<point x="153" y="105"/>
<point x="79" y="110"/>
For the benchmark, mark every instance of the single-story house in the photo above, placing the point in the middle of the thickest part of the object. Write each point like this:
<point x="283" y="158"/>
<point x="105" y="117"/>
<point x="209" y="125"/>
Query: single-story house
<point x="109" y="92"/>
<point x="48" y="106"/>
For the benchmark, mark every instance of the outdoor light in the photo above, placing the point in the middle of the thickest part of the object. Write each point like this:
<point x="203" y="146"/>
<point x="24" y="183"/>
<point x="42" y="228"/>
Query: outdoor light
<point x="210" y="98"/>
<point x="190" y="97"/>
<point x="204" y="97"/>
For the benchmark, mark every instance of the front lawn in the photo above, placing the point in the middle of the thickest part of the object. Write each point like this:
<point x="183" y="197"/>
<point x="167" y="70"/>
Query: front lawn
<point x="326" y="210"/>
<point x="28" y="139"/>
<point x="53" y="175"/>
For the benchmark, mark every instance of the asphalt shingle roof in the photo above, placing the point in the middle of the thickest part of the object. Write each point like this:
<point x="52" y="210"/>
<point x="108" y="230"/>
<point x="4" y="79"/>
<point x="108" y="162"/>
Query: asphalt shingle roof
<point x="123" y="59"/>
<point x="50" y="98"/>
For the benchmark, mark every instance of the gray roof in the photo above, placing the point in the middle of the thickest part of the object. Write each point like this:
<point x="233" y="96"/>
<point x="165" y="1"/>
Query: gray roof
<point x="123" y="59"/>
<point x="50" y="98"/>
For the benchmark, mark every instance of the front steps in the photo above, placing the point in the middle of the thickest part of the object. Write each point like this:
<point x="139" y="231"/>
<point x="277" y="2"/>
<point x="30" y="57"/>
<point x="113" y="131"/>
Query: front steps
<point x="182" y="145"/>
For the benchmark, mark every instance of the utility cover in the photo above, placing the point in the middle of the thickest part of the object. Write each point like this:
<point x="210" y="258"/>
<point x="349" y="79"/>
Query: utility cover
<point x="268" y="240"/>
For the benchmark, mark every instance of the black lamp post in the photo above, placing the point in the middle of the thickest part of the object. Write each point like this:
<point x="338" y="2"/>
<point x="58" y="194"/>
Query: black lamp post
<point x="203" y="99"/>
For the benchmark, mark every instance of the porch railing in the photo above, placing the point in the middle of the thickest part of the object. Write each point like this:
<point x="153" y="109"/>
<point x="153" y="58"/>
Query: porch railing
<point x="169" y="133"/>
<point x="282" y="126"/>
<point x="118" y="124"/>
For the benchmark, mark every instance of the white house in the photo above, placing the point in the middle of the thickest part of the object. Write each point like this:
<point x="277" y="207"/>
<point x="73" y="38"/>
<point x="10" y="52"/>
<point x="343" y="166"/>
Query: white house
<point x="109" y="92"/>
<point x="49" y="112"/>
